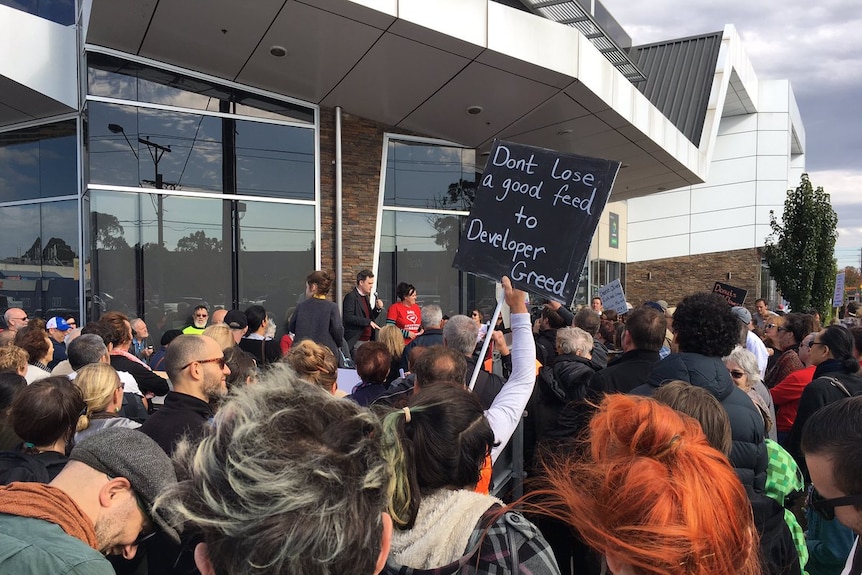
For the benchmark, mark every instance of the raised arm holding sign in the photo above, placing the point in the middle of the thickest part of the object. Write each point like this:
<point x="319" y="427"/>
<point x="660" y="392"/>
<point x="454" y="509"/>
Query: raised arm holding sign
<point x="533" y="218"/>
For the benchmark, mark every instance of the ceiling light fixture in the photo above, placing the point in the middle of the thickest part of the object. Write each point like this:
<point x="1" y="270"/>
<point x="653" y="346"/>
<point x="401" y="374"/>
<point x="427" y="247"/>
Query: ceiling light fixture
<point x="278" y="51"/>
<point x="474" y="110"/>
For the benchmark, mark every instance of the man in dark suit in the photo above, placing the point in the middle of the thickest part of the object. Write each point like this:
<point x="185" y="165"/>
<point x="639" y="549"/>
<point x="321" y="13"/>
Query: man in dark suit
<point x="357" y="313"/>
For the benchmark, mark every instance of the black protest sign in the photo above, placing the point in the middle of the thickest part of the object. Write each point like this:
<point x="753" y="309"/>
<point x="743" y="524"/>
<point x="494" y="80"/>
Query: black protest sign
<point x="733" y="294"/>
<point x="533" y="218"/>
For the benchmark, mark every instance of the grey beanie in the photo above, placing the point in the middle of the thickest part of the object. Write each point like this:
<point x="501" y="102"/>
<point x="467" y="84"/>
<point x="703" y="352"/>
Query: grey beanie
<point x="128" y="453"/>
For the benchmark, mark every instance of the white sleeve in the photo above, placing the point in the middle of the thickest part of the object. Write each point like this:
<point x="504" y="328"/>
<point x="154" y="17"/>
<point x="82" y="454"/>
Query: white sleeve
<point x="758" y="348"/>
<point x="506" y="410"/>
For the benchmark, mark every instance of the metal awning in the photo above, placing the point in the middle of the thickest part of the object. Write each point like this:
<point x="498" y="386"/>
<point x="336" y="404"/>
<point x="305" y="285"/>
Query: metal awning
<point x="570" y="13"/>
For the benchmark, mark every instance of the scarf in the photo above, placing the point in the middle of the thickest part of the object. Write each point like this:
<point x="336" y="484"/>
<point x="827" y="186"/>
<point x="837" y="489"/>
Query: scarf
<point x="40" y="501"/>
<point x="443" y="526"/>
<point x="130" y="356"/>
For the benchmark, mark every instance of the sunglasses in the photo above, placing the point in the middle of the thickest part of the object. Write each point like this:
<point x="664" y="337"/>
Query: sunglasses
<point x="770" y="325"/>
<point x="149" y="529"/>
<point x="220" y="360"/>
<point x="825" y="508"/>
<point x="737" y="374"/>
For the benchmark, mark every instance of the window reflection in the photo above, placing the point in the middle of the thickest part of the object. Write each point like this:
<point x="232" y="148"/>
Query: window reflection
<point x="38" y="252"/>
<point x="418" y="249"/>
<point x="38" y="162"/>
<point x="276" y="254"/>
<point x="134" y="273"/>
<point x="115" y="78"/>
<point x="427" y="176"/>
<point x="142" y="147"/>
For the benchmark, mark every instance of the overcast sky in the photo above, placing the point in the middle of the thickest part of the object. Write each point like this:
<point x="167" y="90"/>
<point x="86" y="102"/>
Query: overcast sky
<point x="817" y="44"/>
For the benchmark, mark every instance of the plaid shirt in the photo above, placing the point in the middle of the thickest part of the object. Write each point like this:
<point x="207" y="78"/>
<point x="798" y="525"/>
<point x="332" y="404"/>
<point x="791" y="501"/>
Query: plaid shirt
<point x="490" y="550"/>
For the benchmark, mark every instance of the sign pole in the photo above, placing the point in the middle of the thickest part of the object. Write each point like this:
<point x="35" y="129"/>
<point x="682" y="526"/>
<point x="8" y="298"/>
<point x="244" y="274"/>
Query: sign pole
<point x="486" y="342"/>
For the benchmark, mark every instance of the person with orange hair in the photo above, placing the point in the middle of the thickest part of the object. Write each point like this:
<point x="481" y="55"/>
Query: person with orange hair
<point x="652" y="496"/>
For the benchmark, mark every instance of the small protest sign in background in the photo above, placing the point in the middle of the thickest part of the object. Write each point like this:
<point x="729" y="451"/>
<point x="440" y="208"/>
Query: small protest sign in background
<point x="733" y="294"/>
<point x="838" y="295"/>
<point x="613" y="297"/>
<point x="534" y="217"/>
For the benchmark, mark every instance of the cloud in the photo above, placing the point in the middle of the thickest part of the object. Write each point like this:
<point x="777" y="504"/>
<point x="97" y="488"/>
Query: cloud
<point x="818" y="47"/>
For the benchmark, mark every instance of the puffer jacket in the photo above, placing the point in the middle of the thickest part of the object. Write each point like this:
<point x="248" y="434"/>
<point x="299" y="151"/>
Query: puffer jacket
<point x="748" y="451"/>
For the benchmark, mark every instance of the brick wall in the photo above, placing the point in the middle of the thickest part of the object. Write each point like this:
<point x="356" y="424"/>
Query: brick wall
<point x="362" y="152"/>
<point x="671" y="279"/>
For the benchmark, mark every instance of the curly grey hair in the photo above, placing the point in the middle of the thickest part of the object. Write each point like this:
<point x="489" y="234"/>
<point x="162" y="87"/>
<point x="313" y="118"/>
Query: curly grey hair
<point x="748" y="363"/>
<point x="288" y="479"/>
<point x="574" y="340"/>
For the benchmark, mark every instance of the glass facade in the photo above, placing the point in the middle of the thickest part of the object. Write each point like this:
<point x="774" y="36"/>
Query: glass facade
<point x="195" y="193"/>
<point x="39" y="257"/>
<point x="39" y="162"/>
<point x="39" y="245"/>
<point x="417" y="247"/>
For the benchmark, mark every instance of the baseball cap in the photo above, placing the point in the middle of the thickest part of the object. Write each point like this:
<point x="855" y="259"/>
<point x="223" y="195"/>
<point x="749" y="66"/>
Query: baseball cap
<point x="57" y="322"/>
<point x="741" y="314"/>
<point x="235" y="319"/>
<point x="128" y="453"/>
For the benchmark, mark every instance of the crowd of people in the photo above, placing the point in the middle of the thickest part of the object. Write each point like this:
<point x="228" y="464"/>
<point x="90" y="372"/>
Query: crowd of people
<point x="695" y="439"/>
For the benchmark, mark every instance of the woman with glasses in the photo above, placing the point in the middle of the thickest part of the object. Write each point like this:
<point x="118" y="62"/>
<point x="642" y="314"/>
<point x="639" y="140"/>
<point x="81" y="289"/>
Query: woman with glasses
<point x="103" y="393"/>
<point x="835" y="377"/>
<point x="787" y="336"/>
<point x="786" y="394"/>
<point x="745" y="373"/>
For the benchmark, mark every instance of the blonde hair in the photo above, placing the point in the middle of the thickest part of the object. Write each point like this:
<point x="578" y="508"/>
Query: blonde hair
<point x="98" y="382"/>
<point x="13" y="358"/>
<point x="313" y="363"/>
<point x="221" y="333"/>
<point x="393" y="339"/>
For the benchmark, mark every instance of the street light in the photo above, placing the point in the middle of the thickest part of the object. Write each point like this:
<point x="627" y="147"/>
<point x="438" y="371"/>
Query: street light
<point x="118" y="129"/>
<point x="156" y="152"/>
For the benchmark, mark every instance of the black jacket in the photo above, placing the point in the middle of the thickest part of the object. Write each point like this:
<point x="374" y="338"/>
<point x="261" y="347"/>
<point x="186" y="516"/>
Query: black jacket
<point x="629" y="371"/>
<point x="748" y="451"/>
<point x="265" y="351"/>
<point x="488" y="385"/>
<point x="354" y="317"/>
<point x="181" y="415"/>
<point x="600" y="354"/>
<point x="546" y="346"/>
<point x="148" y="382"/>
<point x="820" y="392"/>
<point x="553" y="416"/>
<point x="431" y="336"/>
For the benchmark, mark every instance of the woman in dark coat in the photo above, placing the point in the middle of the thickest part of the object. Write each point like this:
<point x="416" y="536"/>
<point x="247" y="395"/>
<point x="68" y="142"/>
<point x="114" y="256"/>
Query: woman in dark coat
<point x="317" y="318"/>
<point x="835" y="377"/>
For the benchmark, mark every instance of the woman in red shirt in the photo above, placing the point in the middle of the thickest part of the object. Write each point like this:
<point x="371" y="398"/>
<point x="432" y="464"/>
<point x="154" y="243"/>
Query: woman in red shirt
<point x="405" y="314"/>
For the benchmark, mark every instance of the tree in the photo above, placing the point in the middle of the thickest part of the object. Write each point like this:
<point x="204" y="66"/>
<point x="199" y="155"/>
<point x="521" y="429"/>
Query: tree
<point x="108" y="232"/>
<point x="459" y="195"/>
<point x="198" y="242"/>
<point x="852" y="277"/>
<point x="800" y="250"/>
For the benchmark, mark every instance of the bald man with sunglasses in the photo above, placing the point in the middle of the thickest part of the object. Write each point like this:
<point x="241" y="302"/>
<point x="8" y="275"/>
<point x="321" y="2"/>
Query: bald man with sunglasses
<point x="197" y="370"/>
